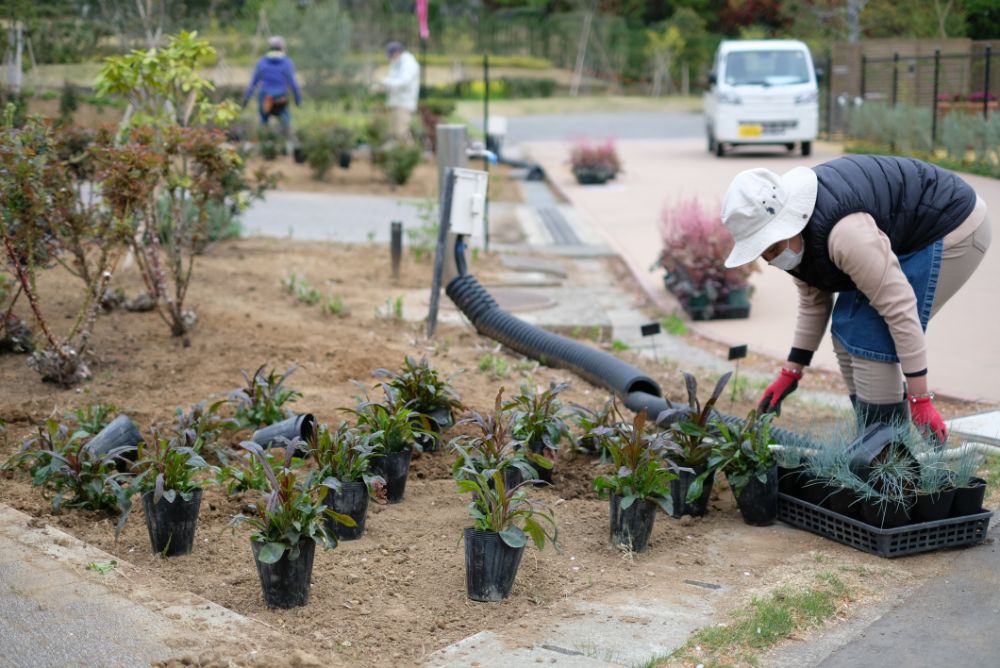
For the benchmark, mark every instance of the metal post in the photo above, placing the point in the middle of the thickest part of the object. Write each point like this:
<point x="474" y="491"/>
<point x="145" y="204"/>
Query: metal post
<point x="444" y="243"/>
<point x="396" y="246"/>
<point x="895" y="78"/>
<point x="864" y="68"/>
<point x="986" y="84"/>
<point x="452" y="141"/>
<point x="450" y="149"/>
<point x="934" y="102"/>
<point x="486" y="143"/>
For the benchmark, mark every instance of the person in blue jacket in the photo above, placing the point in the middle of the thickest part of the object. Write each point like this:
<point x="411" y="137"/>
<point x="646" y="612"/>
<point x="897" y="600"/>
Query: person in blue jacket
<point x="274" y="75"/>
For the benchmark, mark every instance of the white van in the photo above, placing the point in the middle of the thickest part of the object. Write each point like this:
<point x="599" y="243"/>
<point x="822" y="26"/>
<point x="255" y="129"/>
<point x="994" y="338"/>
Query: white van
<point x="762" y="92"/>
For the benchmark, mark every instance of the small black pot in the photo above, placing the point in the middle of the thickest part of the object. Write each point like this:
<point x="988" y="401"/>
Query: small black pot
<point x="789" y="481"/>
<point x="631" y="527"/>
<point x="679" y="490"/>
<point x="285" y="583"/>
<point x="440" y="420"/>
<point x="490" y="565"/>
<point x="298" y="426"/>
<point x="512" y="477"/>
<point x="352" y="500"/>
<point x="841" y="500"/>
<point x="344" y="159"/>
<point x="758" y="502"/>
<point x="120" y="433"/>
<point x="933" y="507"/>
<point x="544" y="474"/>
<point x="969" y="500"/>
<point x="886" y="515"/>
<point x="299" y="155"/>
<point x="395" y="466"/>
<point x="171" y="525"/>
<point x="812" y="489"/>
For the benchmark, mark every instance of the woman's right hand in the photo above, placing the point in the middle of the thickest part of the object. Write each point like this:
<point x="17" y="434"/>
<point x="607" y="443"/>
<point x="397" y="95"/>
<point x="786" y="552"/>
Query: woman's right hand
<point x="783" y="385"/>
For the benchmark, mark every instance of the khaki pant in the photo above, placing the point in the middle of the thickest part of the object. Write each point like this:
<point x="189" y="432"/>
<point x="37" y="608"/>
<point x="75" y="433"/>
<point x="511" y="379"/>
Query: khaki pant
<point x="882" y="383"/>
<point x="401" y="131"/>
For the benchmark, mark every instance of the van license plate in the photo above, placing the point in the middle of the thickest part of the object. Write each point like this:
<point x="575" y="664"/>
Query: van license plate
<point x="751" y="130"/>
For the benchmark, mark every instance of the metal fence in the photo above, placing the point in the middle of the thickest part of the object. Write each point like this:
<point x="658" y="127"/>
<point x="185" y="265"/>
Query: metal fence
<point x="945" y="82"/>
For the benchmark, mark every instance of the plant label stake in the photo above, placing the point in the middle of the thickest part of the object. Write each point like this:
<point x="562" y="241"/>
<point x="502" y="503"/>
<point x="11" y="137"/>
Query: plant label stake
<point x="737" y="353"/>
<point x="652" y="329"/>
<point x="396" y="247"/>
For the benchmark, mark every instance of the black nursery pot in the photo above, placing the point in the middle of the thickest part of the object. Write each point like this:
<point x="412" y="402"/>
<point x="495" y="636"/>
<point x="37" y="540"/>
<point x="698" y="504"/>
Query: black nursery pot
<point x="933" y="507"/>
<point x="969" y="500"/>
<point x="841" y="500"/>
<point x="631" y="527"/>
<point x="886" y="515"/>
<point x="812" y="489"/>
<point x="679" y="490"/>
<point x="120" y="433"/>
<point x="298" y="426"/>
<point x="171" y="525"/>
<point x="344" y="159"/>
<point x="490" y="565"/>
<point x="351" y="500"/>
<point x="395" y="466"/>
<point x="299" y="155"/>
<point x="758" y="502"/>
<point x="440" y="419"/>
<point x="789" y="481"/>
<point x="285" y="583"/>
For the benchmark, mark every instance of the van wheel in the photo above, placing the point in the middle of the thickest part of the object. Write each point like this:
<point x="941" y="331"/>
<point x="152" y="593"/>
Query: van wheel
<point x="790" y="146"/>
<point x="719" y="150"/>
<point x="807" y="148"/>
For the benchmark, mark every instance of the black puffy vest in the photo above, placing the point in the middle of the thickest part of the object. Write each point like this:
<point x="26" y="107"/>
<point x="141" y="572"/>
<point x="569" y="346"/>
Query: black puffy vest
<point x="914" y="204"/>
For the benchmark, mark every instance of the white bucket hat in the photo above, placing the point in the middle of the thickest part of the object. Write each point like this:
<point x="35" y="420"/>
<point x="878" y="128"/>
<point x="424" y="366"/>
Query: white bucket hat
<point x="762" y="208"/>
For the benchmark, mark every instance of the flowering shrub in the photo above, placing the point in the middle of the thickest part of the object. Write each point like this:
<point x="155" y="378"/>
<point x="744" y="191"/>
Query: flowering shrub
<point x="695" y="246"/>
<point x="600" y="160"/>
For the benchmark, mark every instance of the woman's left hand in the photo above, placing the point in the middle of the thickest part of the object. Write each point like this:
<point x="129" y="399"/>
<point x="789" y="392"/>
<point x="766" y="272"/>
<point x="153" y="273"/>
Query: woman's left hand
<point x="926" y="418"/>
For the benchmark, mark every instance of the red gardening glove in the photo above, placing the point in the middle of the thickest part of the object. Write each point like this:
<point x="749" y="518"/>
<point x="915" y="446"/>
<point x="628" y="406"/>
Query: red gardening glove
<point x="926" y="418"/>
<point x="776" y="392"/>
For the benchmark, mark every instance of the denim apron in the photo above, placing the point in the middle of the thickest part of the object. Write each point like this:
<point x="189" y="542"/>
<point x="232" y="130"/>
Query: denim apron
<point x="862" y="331"/>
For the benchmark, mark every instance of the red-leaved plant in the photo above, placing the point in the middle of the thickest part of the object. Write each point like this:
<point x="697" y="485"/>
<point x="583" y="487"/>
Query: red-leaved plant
<point x="601" y="159"/>
<point x="695" y="246"/>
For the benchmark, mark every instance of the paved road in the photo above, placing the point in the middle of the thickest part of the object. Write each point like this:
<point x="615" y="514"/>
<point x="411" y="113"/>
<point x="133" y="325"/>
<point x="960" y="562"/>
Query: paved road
<point x="635" y="125"/>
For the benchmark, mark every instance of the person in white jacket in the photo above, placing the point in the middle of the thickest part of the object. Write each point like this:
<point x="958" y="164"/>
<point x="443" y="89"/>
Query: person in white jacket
<point x="402" y="87"/>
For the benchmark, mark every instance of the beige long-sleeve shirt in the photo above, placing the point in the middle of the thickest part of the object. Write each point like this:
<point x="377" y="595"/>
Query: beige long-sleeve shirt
<point x="862" y="251"/>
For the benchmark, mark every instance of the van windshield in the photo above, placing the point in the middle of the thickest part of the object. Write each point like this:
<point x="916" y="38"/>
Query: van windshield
<point x="766" y="68"/>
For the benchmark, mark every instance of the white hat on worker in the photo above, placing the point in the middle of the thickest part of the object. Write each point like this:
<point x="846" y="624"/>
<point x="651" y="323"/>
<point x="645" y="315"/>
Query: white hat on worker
<point x="762" y="208"/>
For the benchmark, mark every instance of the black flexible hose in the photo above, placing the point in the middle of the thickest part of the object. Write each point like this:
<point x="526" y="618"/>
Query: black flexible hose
<point x="597" y="367"/>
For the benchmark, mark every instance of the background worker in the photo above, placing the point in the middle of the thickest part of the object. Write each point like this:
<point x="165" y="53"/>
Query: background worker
<point x="894" y="238"/>
<point x="402" y="86"/>
<point x="275" y="76"/>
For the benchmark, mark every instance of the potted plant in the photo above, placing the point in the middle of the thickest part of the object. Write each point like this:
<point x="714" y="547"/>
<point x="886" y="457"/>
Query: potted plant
<point x="285" y="535"/>
<point x="423" y="390"/>
<point x="539" y="420"/>
<point x="493" y="448"/>
<point x="692" y="432"/>
<point x="695" y="246"/>
<point x="639" y="482"/>
<point x="589" y="421"/>
<point x="970" y="490"/>
<point x="503" y="519"/>
<point x="889" y="498"/>
<point x="594" y="164"/>
<point x="744" y="454"/>
<point x="343" y="457"/>
<point x="167" y="477"/>
<point x="935" y="487"/>
<point x="393" y="428"/>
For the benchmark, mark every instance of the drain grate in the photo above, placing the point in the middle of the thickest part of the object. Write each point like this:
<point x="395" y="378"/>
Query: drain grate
<point x="559" y="229"/>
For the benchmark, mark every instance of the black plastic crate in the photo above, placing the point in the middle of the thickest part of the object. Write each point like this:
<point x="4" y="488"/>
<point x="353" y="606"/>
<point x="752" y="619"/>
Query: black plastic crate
<point x="898" y="542"/>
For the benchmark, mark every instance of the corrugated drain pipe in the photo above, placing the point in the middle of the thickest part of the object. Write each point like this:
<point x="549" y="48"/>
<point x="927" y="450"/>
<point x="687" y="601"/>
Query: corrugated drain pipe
<point x="636" y="389"/>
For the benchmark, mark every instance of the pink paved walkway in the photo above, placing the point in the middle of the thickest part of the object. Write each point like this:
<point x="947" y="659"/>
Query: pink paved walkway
<point x="963" y="340"/>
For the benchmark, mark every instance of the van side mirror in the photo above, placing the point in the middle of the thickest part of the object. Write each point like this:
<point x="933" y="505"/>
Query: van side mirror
<point x="712" y="80"/>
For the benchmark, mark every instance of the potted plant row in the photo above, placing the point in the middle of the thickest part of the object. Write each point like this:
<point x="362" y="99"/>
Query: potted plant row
<point x="421" y="388"/>
<point x="343" y="457"/>
<point x="539" y="422"/>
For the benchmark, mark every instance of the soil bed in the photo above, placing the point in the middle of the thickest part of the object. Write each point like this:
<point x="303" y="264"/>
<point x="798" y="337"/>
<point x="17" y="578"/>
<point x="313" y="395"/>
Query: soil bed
<point x="398" y="593"/>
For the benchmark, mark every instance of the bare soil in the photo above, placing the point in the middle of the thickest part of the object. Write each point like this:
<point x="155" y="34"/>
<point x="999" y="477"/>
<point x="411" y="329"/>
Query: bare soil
<point x="397" y="594"/>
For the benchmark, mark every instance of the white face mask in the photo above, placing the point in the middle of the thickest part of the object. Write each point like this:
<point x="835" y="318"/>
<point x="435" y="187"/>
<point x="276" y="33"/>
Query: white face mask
<point x="787" y="259"/>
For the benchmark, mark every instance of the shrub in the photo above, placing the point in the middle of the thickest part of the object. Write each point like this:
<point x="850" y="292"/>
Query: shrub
<point x="399" y="161"/>
<point x="695" y="246"/>
<point x="323" y="143"/>
<point x="259" y="403"/>
<point x="420" y="386"/>
<point x="493" y="447"/>
<point x="600" y="160"/>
